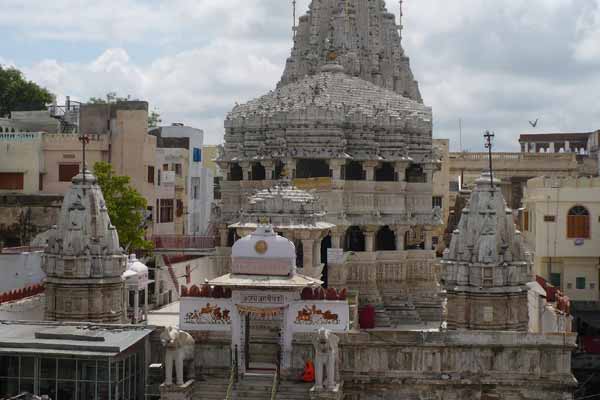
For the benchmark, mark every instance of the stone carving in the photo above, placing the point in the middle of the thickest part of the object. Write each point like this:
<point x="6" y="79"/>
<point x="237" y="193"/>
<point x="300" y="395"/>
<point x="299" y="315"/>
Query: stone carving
<point x="179" y="347"/>
<point x="326" y="354"/>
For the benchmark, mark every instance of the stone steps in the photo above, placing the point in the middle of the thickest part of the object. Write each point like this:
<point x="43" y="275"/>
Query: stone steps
<point x="289" y="390"/>
<point x="382" y="319"/>
<point x="254" y="387"/>
<point x="213" y="388"/>
<point x="403" y="312"/>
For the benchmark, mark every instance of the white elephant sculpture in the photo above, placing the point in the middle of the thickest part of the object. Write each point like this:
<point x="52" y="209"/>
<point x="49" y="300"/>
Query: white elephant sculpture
<point x="326" y="354"/>
<point x="179" y="347"/>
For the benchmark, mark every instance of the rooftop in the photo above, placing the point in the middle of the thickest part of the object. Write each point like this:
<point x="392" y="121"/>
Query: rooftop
<point x="69" y="338"/>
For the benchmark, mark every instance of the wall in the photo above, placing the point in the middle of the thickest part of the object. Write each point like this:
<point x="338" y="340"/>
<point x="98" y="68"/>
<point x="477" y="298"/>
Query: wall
<point x="22" y="152"/>
<point x="22" y="217"/>
<point x="66" y="149"/>
<point x="554" y="252"/>
<point x="28" y="309"/>
<point x="20" y="270"/>
<point x="173" y="187"/>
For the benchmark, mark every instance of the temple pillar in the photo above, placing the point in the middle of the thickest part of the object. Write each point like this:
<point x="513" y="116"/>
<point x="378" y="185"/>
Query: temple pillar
<point x="567" y="146"/>
<point x="400" y="168"/>
<point x="290" y="168"/>
<point x="223" y="236"/>
<point x="400" y="232"/>
<point x="307" y="251"/>
<point x="336" y="239"/>
<point x="336" y="169"/>
<point x="369" y="167"/>
<point x="552" y="147"/>
<point x="534" y="147"/>
<point x="246" y="171"/>
<point x="370" y="238"/>
<point x="428" y="238"/>
<point x="269" y="169"/>
<point x="428" y="169"/>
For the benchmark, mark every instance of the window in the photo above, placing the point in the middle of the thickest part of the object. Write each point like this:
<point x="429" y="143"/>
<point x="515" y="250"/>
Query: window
<point x="150" y="174"/>
<point x="166" y="210"/>
<point x="453" y="186"/>
<point x="197" y="154"/>
<point x="41" y="182"/>
<point x="66" y="172"/>
<point x="578" y="223"/>
<point x="11" y="180"/>
<point x="580" y="283"/>
<point x="549" y="218"/>
<point x="195" y="192"/>
<point x="525" y="226"/>
<point x="437" y="201"/>
<point x="177" y="168"/>
<point x="555" y="279"/>
<point x="165" y="167"/>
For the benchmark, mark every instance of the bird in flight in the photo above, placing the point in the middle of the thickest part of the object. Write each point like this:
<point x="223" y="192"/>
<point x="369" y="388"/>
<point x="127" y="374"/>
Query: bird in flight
<point x="534" y="123"/>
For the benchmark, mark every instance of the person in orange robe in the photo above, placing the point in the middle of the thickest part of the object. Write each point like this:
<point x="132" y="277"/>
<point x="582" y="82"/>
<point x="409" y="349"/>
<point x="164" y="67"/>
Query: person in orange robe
<point x="309" y="372"/>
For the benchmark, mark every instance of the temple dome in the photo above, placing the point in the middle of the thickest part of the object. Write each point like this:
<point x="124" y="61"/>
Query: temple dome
<point x="329" y="115"/>
<point x="263" y="252"/>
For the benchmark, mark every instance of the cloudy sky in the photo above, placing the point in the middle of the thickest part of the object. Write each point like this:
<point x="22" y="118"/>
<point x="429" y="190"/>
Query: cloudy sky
<point x="494" y="64"/>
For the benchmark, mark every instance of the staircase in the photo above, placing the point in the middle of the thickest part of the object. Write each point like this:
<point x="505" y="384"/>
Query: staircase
<point x="213" y="388"/>
<point x="403" y="311"/>
<point x="382" y="319"/>
<point x="289" y="390"/>
<point x="254" y="387"/>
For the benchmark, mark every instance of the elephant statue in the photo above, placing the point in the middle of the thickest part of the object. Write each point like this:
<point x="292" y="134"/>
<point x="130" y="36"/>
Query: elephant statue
<point x="326" y="354"/>
<point x="179" y="347"/>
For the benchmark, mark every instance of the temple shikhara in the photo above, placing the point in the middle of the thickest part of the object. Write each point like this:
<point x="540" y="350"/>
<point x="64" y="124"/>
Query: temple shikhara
<point x="324" y="281"/>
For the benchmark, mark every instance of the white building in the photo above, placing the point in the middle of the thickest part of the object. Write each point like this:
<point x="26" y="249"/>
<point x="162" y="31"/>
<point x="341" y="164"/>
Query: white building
<point x="199" y="185"/>
<point x="560" y="221"/>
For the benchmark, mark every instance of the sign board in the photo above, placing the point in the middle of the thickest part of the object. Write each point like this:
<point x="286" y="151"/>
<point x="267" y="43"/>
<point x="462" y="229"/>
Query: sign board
<point x="335" y="256"/>
<point x="205" y="314"/>
<point x="310" y="316"/>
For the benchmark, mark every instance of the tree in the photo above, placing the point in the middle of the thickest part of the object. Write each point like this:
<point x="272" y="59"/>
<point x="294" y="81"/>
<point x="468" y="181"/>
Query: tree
<point x="126" y="207"/>
<point x="154" y="119"/>
<point x="19" y="94"/>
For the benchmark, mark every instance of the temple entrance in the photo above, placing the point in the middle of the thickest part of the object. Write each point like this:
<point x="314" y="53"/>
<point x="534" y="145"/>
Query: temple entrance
<point x="262" y="340"/>
<point x="325" y="244"/>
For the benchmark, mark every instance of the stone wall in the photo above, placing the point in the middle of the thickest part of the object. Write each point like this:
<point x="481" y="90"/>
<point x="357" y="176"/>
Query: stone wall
<point x="22" y="217"/>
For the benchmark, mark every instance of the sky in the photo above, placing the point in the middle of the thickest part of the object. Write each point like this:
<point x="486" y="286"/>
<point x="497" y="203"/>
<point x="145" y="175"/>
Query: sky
<point x="491" y="64"/>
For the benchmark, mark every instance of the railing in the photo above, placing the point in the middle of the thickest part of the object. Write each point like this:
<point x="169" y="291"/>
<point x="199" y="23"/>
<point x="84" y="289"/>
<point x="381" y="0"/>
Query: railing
<point x="183" y="242"/>
<point x="275" y="386"/>
<point x="512" y="156"/>
<point x="233" y="375"/>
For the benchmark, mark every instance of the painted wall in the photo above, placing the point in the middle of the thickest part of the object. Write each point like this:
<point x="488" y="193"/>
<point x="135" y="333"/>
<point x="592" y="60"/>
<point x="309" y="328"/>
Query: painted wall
<point x="20" y="270"/>
<point x="22" y="153"/>
<point x="548" y="198"/>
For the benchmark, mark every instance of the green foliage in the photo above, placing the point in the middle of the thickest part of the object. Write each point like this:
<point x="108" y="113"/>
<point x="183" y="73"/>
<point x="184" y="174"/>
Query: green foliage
<point x="154" y="119"/>
<point x="111" y="98"/>
<point x="126" y="207"/>
<point x="19" y="94"/>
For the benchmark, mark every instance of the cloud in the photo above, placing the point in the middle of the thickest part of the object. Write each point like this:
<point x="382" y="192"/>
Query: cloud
<point x="495" y="65"/>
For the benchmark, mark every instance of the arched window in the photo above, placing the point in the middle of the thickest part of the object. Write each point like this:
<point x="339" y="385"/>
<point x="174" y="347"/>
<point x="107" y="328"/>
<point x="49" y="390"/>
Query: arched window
<point x="385" y="240"/>
<point x="578" y="223"/>
<point x="354" y="240"/>
<point x="231" y="237"/>
<point x="415" y="174"/>
<point x="385" y="173"/>
<point x="236" y="173"/>
<point x="353" y="171"/>
<point x="299" y="253"/>
<point x="279" y="169"/>
<point x="312" y="168"/>
<point x="258" y="172"/>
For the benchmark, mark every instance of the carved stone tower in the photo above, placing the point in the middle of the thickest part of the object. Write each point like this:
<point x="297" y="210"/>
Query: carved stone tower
<point x="83" y="261"/>
<point x="365" y="38"/>
<point x="486" y="266"/>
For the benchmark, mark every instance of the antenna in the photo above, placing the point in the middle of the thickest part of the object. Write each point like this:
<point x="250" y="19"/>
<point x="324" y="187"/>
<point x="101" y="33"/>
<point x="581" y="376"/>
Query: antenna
<point x="84" y="139"/>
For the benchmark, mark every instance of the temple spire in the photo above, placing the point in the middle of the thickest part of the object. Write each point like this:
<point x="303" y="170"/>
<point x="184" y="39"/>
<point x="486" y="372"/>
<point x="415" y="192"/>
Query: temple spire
<point x="488" y="145"/>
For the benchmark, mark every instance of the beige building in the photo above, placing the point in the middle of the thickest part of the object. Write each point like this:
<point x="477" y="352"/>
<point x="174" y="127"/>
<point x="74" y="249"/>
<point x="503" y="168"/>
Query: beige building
<point x="560" y="222"/>
<point x="171" y="191"/>
<point x="21" y="162"/>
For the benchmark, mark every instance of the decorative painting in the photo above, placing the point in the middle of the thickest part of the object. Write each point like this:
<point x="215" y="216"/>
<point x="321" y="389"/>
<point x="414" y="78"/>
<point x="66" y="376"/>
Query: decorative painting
<point x="205" y="314"/>
<point x="309" y="316"/>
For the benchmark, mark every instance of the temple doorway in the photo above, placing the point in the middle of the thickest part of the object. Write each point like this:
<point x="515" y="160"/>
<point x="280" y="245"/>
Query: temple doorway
<point x="262" y="339"/>
<point x="325" y="244"/>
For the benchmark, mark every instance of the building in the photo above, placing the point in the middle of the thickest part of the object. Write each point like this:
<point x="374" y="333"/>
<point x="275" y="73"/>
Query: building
<point x="197" y="173"/>
<point x="542" y="154"/>
<point x="560" y="222"/>
<point x="356" y="131"/>
<point x="73" y="361"/>
<point x="441" y="190"/>
<point x="83" y="261"/>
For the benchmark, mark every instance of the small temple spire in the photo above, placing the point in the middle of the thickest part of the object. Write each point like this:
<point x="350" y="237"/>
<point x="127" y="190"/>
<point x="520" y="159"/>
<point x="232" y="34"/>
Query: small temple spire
<point x="294" y="17"/>
<point x="84" y="139"/>
<point x="488" y="145"/>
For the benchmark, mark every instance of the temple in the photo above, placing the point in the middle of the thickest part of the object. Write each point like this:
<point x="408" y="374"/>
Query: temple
<point x="362" y="145"/>
<point x="83" y="261"/>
